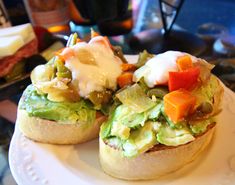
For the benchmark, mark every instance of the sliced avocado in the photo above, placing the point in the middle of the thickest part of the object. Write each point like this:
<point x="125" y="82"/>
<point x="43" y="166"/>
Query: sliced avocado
<point x="173" y="136"/>
<point x="126" y="116"/>
<point x="155" y="112"/>
<point x="120" y="130"/>
<point x="71" y="112"/>
<point x="105" y="129"/>
<point x="115" y="141"/>
<point x="206" y="92"/>
<point x="140" y="140"/>
<point x="198" y="127"/>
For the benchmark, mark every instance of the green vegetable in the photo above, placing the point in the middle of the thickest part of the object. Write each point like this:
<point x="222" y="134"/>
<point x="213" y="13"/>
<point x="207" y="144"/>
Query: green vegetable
<point x="143" y="58"/>
<point x="126" y="116"/>
<point x="143" y="85"/>
<point x="72" y="40"/>
<point x="205" y="108"/>
<point x="120" y="130"/>
<point x="158" y="92"/>
<point x="117" y="50"/>
<point x="173" y="136"/>
<point x="199" y="127"/>
<point x="100" y="98"/>
<point x="116" y="142"/>
<point x="135" y="98"/>
<point x="155" y="112"/>
<point x="106" y="127"/>
<point x="61" y="70"/>
<point x="39" y="106"/>
<point x="140" y="140"/>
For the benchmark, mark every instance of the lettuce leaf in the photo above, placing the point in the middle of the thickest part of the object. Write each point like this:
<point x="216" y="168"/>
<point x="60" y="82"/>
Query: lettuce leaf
<point x="135" y="98"/>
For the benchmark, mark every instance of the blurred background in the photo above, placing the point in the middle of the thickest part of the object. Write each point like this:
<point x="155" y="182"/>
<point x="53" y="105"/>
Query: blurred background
<point x="202" y="28"/>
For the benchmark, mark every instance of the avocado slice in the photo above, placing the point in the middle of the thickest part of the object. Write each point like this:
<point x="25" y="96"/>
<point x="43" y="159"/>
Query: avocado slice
<point x="173" y="136"/>
<point x="39" y="106"/>
<point x="140" y="140"/>
<point x="200" y="126"/>
<point x="120" y="130"/>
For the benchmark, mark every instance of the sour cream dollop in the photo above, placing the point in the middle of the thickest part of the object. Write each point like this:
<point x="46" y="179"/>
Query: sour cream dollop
<point x="156" y="70"/>
<point x="94" y="68"/>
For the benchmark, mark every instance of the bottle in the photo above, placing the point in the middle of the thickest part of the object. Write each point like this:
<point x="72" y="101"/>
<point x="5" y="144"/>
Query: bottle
<point x="51" y="14"/>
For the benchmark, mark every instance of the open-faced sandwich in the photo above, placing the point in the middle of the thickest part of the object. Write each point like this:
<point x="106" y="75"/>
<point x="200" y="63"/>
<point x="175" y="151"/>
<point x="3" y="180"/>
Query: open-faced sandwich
<point x="163" y="119"/>
<point x="71" y="94"/>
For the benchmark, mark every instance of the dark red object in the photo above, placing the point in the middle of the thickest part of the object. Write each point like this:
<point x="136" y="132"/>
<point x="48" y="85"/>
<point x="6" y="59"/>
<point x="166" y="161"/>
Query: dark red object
<point x="45" y="38"/>
<point x="184" y="79"/>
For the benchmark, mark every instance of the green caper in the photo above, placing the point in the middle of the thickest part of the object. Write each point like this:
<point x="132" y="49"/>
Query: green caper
<point x="158" y="92"/>
<point x="100" y="98"/>
<point x="143" y="58"/>
<point x="205" y="108"/>
<point x="117" y="50"/>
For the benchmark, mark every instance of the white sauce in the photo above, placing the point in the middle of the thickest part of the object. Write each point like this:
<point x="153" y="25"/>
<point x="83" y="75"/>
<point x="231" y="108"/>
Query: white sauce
<point x="156" y="70"/>
<point x="94" y="77"/>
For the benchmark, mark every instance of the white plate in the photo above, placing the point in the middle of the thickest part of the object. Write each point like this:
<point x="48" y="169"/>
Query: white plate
<point x="34" y="163"/>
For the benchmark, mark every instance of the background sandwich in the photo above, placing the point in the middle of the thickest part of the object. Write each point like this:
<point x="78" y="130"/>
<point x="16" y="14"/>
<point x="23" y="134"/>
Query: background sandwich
<point x="16" y="43"/>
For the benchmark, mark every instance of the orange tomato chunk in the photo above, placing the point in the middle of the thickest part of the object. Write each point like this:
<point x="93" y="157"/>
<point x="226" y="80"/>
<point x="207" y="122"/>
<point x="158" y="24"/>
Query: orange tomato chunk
<point x="179" y="104"/>
<point x="128" y="67"/>
<point x="184" y="62"/>
<point x="125" y="79"/>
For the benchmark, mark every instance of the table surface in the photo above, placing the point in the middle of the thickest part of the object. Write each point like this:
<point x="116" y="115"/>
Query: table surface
<point x="192" y="15"/>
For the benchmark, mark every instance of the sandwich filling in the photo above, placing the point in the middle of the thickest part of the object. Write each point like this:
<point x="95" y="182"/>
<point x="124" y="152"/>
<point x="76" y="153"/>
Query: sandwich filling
<point x="75" y="84"/>
<point x="173" y="99"/>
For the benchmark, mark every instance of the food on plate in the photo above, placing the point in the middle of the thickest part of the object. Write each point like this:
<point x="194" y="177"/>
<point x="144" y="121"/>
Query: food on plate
<point x="16" y="43"/>
<point x="163" y="119"/>
<point x="71" y="95"/>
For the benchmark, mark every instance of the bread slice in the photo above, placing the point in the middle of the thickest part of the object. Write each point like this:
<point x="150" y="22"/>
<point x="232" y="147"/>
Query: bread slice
<point x="153" y="163"/>
<point x="53" y="132"/>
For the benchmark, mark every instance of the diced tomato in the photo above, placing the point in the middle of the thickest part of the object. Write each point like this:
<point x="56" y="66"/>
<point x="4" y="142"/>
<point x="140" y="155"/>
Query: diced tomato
<point x="78" y="40"/>
<point x="186" y="79"/>
<point x="128" y="67"/>
<point x="125" y="79"/>
<point x="184" y="62"/>
<point x="179" y="104"/>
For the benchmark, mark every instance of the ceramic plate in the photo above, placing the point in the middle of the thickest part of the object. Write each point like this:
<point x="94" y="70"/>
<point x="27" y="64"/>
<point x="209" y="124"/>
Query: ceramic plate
<point x="45" y="164"/>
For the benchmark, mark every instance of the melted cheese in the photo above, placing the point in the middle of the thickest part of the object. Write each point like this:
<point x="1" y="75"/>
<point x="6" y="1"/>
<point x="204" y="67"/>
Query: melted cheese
<point x="94" y="68"/>
<point x="156" y="70"/>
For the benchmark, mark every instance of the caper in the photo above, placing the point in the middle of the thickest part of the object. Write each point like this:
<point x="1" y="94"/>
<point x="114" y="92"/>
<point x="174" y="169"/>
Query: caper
<point x="100" y="98"/>
<point x="205" y="108"/>
<point x="143" y="58"/>
<point x="158" y="92"/>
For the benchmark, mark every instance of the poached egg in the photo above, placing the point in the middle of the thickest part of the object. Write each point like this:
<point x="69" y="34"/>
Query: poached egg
<point x="94" y="66"/>
<point x="156" y="70"/>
